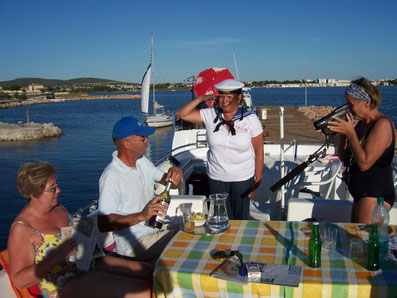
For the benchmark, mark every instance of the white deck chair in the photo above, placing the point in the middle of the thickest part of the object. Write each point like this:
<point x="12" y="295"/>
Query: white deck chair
<point x="323" y="179"/>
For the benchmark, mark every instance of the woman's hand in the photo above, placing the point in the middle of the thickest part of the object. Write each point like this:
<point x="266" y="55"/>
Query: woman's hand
<point x="209" y="97"/>
<point x="253" y="189"/>
<point x="341" y="126"/>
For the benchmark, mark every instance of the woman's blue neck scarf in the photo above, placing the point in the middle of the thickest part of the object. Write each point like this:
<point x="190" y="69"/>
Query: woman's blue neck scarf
<point x="240" y="114"/>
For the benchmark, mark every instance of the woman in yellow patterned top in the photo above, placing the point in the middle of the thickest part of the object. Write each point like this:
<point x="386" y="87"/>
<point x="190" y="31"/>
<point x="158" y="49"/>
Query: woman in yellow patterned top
<point x="38" y="255"/>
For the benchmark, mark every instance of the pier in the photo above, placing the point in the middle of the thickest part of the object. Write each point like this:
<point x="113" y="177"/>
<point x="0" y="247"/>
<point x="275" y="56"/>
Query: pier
<point x="297" y="126"/>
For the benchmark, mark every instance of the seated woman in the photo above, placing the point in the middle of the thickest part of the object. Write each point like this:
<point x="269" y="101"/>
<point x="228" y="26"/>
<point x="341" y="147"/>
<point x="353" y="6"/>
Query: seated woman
<point x="38" y="255"/>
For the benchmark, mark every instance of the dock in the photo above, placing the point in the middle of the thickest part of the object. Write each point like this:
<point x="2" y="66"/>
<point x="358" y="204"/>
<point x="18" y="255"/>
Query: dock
<point x="296" y="125"/>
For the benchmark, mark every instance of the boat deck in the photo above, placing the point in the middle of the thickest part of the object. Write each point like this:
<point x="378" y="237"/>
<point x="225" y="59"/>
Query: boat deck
<point x="296" y="125"/>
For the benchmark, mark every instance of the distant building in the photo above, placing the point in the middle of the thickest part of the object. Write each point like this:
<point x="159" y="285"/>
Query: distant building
<point x="342" y="83"/>
<point x="35" y="87"/>
<point x="331" y="82"/>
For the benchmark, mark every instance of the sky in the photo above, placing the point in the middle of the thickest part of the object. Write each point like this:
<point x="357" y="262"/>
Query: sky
<point x="270" y="40"/>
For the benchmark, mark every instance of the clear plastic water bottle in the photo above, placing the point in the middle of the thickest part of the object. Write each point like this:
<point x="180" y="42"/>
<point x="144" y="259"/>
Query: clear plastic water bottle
<point x="380" y="217"/>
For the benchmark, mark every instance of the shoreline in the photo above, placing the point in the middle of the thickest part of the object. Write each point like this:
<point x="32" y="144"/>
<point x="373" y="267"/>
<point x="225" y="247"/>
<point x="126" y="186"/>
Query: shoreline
<point x="10" y="132"/>
<point x="16" y="104"/>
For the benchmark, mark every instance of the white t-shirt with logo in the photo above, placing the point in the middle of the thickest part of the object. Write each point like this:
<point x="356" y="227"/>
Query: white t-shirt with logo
<point x="230" y="157"/>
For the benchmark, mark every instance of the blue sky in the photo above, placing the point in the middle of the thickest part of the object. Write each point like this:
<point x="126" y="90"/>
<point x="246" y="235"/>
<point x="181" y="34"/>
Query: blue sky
<point x="65" y="39"/>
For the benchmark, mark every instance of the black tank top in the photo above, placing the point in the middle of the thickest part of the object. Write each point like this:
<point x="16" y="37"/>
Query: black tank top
<point x="377" y="181"/>
<point x="385" y="159"/>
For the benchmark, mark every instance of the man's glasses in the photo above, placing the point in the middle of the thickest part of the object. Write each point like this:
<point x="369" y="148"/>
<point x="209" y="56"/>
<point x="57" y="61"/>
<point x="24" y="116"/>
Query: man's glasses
<point x="141" y="139"/>
<point x="53" y="188"/>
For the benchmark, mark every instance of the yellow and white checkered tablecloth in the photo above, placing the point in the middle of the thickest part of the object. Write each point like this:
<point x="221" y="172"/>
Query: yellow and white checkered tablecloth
<point x="184" y="266"/>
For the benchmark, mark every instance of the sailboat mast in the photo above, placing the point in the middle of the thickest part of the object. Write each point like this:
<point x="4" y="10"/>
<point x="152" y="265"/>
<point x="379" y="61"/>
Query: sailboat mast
<point x="235" y="65"/>
<point x="154" y="92"/>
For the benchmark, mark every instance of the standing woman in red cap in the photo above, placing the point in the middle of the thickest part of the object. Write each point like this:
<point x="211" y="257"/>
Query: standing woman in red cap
<point x="235" y="155"/>
<point x="367" y="150"/>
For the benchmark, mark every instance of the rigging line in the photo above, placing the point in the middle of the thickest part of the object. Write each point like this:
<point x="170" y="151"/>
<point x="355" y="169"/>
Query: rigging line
<point x="235" y="65"/>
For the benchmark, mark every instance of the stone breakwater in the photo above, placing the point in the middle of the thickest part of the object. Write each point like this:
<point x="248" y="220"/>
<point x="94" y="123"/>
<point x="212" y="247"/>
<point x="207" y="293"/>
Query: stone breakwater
<point x="27" y="131"/>
<point x="315" y="113"/>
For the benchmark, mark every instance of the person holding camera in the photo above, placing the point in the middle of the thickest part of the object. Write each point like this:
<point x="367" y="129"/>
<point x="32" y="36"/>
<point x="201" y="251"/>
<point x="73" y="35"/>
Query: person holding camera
<point x="235" y="155"/>
<point x="367" y="149"/>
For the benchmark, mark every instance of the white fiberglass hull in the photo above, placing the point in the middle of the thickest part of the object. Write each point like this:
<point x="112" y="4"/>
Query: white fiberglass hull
<point x="159" y="120"/>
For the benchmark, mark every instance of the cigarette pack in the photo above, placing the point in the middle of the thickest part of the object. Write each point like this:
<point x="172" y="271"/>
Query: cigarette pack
<point x="253" y="272"/>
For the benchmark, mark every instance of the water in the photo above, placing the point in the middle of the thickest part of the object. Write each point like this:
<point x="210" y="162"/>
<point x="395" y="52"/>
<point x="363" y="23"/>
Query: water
<point x="218" y="223"/>
<point x="85" y="149"/>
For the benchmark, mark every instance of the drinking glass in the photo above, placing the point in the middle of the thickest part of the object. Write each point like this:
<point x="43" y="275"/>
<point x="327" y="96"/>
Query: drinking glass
<point x="330" y="237"/>
<point x="188" y="225"/>
<point x="356" y="249"/>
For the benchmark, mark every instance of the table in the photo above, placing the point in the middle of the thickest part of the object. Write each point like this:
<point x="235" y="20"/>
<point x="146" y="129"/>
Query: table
<point x="184" y="266"/>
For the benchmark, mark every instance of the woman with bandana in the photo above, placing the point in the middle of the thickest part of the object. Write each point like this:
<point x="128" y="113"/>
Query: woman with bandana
<point x="367" y="150"/>
<point x="235" y="155"/>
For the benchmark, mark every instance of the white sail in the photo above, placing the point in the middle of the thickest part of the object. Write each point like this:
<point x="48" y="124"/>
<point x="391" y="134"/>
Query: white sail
<point x="158" y="119"/>
<point x="145" y="88"/>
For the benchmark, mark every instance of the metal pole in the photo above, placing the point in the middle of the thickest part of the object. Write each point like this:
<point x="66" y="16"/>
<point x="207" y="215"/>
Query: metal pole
<point x="282" y="162"/>
<point x="305" y="83"/>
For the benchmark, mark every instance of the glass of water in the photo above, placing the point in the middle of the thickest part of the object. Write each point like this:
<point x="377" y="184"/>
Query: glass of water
<point x="330" y="237"/>
<point x="356" y="249"/>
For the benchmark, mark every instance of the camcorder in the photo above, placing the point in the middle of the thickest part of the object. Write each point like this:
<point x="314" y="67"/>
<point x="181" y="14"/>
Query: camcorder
<point x="339" y="112"/>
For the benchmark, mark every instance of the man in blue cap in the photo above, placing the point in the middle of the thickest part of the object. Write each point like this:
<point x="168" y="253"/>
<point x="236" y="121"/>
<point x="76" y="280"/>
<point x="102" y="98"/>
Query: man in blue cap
<point x="126" y="193"/>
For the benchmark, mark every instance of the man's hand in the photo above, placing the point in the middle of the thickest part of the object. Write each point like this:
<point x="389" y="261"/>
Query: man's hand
<point x="154" y="208"/>
<point x="66" y="249"/>
<point x="175" y="174"/>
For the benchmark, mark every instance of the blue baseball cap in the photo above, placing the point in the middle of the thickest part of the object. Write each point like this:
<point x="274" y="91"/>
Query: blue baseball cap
<point x="128" y="126"/>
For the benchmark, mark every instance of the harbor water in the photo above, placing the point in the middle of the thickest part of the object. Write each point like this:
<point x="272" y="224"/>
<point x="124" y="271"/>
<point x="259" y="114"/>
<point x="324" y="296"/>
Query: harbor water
<point x="86" y="147"/>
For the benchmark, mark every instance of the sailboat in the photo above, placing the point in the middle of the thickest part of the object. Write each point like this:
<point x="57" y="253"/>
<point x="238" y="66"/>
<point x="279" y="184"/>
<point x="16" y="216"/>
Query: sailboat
<point x="159" y="118"/>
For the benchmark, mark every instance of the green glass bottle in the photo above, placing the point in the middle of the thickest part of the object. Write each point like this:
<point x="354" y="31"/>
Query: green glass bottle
<point x="156" y="221"/>
<point x="315" y="247"/>
<point x="373" y="249"/>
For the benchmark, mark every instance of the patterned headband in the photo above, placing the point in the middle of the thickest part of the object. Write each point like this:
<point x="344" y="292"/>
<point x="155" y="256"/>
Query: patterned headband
<point x="356" y="91"/>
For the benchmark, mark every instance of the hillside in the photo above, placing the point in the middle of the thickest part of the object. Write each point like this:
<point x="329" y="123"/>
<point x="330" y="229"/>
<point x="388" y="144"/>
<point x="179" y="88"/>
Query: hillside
<point x="24" y="82"/>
